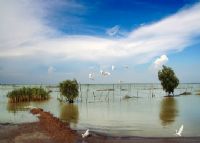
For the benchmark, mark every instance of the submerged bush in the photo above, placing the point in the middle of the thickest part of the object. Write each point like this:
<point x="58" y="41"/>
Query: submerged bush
<point x="69" y="89"/>
<point x="168" y="79"/>
<point x="28" y="94"/>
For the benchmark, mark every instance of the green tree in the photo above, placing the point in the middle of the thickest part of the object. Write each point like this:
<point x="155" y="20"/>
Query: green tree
<point x="168" y="79"/>
<point x="69" y="89"/>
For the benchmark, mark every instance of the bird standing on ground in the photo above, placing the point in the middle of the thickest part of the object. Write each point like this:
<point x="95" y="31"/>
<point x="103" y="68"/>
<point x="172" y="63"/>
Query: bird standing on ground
<point x="179" y="132"/>
<point x="86" y="134"/>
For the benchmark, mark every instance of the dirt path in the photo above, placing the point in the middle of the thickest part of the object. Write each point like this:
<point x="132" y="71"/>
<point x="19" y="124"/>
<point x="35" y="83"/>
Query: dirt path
<point x="58" y="130"/>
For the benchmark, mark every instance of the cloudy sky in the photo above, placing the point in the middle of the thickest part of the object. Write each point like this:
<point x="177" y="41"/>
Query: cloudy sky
<point x="47" y="41"/>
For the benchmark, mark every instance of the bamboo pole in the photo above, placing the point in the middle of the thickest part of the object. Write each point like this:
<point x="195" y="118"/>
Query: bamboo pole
<point x="113" y="92"/>
<point x="80" y="91"/>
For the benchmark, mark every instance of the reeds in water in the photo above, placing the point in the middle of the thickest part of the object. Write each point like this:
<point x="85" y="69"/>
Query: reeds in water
<point x="25" y="94"/>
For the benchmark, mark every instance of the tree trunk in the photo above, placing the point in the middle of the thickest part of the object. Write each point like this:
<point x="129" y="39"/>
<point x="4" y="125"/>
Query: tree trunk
<point x="71" y="101"/>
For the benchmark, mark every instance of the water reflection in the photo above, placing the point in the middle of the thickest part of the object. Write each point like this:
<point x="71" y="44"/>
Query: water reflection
<point x="14" y="107"/>
<point x="69" y="113"/>
<point x="168" y="111"/>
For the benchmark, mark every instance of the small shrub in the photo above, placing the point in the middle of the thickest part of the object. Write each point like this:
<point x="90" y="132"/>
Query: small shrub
<point x="69" y="89"/>
<point x="168" y="79"/>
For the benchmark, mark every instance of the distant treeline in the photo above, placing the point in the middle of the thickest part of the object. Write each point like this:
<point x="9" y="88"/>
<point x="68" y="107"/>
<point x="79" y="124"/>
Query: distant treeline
<point x="28" y="94"/>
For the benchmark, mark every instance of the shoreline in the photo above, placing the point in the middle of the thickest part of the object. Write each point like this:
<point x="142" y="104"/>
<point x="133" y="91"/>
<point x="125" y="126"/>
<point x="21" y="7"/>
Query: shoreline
<point x="50" y="129"/>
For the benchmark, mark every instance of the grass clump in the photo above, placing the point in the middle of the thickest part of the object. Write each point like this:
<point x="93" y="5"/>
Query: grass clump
<point x="25" y="94"/>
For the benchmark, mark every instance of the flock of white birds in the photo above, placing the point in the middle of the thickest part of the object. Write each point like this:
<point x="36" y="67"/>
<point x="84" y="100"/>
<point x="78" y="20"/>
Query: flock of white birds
<point x="104" y="73"/>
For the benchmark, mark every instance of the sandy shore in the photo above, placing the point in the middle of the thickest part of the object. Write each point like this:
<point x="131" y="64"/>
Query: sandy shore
<point x="51" y="130"/>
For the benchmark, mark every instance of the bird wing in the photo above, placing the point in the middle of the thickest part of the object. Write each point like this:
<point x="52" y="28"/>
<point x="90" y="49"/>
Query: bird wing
<point x="87" y="131"/>
<point x="90" y="75"/>
<point x="113" y="67"/>
<point x="180" y="130"/>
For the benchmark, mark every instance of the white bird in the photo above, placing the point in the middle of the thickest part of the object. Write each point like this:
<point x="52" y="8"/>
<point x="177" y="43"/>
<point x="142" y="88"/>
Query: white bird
<point x="107" y="73"/>
<point x="86" y="134"/>
<point x="179" y="132"/>
<point x="101" y="72"/>
<point x="104" y="73"/>
<point x="113" y="67"/>
<point x="91" y="76"/>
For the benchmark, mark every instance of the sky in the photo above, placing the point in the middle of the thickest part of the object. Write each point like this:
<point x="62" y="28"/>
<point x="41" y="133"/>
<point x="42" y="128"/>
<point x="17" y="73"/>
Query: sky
<point x="48" y="41"/>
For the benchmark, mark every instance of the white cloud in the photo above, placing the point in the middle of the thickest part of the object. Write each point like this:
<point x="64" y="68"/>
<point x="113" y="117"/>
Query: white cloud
<point x="19" y="25"/>
<point x="160" y="61"/>
<point x="113" y="31"/>
<point x="23" y="33"/>
<point x="51" y="70"/>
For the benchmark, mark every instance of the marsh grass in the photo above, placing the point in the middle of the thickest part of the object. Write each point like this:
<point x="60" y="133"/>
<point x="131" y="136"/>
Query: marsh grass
<point x="25" y="94"/>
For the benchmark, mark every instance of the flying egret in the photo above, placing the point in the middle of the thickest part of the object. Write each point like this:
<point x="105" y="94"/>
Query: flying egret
<point x="104" y="73"/>
<point x="107" y="73"/>
<point x="91" y="76"/>
<point x="101" y="72"/>
<point x="113" y="67"/>
<point x="86" y="134"/>
<point x="179" y="132"/>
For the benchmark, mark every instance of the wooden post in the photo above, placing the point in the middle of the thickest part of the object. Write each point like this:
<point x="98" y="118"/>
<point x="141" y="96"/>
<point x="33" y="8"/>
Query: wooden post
<point x="93" y="95"/>
<point x="87" y="92"/>
<point x="113" y="92"/>
<point x="80" y="91"/>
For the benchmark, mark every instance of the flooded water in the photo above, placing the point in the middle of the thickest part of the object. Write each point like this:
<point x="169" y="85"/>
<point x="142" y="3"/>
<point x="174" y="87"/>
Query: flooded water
<point x="120" y="109"/>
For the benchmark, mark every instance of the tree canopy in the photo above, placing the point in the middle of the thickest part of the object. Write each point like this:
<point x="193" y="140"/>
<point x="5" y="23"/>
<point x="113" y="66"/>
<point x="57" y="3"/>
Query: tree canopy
<point x="69" y="89"/>
<point x="168" y="79"/>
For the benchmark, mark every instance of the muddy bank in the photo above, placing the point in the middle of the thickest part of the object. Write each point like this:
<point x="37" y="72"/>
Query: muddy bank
<point x="50" y="129"/>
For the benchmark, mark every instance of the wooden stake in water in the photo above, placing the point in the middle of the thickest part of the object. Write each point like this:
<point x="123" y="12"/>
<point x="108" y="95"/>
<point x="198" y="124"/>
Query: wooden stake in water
<point x="80" y="91"/>
<point x="93" y="95"/>
<point x="113" y="92"/>
<point x="87" y="92"/>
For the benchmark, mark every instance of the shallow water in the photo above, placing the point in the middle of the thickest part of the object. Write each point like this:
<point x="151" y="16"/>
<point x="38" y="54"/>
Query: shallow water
<point x="103" y="108"/>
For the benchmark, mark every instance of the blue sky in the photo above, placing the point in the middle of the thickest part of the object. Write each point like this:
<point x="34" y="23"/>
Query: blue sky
<point x="50" y="41"/>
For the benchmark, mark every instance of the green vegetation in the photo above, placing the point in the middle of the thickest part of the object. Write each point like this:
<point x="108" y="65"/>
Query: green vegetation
<point x="25" y="94"/>
<point x="168" y="79"/>
<point x="69" y="89"/>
